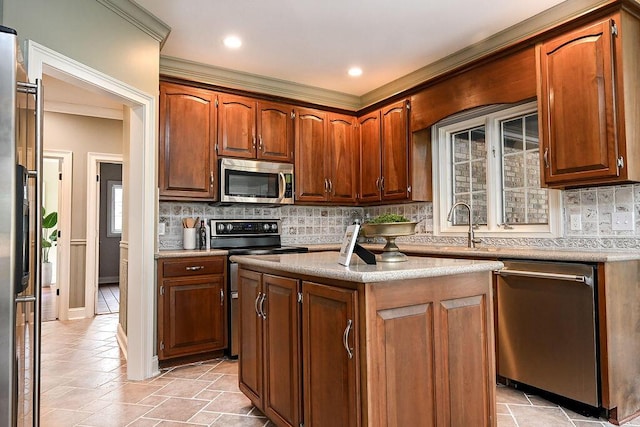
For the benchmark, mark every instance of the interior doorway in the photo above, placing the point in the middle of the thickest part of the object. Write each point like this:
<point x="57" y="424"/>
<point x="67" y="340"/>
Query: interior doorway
<point x="109" y="237"/>
<point x="57" y="166"/>
<point x="104" y="232"/>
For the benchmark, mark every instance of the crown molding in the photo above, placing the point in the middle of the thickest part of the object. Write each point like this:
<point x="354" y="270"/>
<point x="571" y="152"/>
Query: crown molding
<point x="530" y="27"/>
<point x="198" y="72"/>
<point x="140" y="17"/>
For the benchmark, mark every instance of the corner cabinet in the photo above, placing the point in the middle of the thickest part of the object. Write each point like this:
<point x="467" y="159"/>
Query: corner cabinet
<point x="326" y="157"/>
<point x="192" y="306"/>
<point x="384" y="154"/>
<point x="187" y="166"/>
<point x="588" y="101"/>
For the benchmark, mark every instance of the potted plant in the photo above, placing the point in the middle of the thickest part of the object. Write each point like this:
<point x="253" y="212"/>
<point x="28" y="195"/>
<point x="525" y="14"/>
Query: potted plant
<point x="49" y="239"/>
<point x="390" y="226"/>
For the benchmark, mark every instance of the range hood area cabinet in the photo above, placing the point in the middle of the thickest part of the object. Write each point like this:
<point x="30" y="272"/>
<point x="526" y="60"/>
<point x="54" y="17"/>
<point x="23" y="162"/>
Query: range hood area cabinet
<point x="384" y="154"/>
<point x="187" y="163"/>
<point x="589" y="103"/>
<point x="326" y="157"/>
<point x="253" y="129"/>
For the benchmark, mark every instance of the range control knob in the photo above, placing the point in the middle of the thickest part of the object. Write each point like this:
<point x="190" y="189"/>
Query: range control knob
<point x="229" y="227"/>
<point x="220" y="226"/>
<point x="274" y="226"/>
<point x="266" y="226"/>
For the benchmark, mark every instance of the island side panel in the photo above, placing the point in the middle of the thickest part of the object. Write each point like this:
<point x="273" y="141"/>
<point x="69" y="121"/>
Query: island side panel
<point x="430" y="352"/>
<point x="620" y="309"/>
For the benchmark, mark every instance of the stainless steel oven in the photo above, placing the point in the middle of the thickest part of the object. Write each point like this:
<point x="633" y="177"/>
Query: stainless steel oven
<point x="245" y="237"/>
<point x="251" y="181"/>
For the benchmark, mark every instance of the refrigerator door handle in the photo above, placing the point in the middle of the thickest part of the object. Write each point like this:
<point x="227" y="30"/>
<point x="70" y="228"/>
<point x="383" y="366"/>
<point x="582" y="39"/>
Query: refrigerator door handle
<point x="37" y="90"/>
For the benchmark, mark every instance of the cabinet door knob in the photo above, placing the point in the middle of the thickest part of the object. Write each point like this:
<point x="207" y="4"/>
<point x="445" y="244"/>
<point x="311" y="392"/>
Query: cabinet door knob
<point x="345" y="338"/>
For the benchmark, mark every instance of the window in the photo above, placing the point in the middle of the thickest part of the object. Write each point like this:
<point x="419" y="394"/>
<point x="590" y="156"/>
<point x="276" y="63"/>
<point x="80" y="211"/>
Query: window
<point x="490" y="160"/>
<point x="114" y="204"/>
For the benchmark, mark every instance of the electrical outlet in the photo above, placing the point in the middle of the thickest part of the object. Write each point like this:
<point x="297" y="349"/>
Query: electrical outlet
<point x="576" y="225"/>
<point x="622" y="221"/>
<point x="161" y="228"/>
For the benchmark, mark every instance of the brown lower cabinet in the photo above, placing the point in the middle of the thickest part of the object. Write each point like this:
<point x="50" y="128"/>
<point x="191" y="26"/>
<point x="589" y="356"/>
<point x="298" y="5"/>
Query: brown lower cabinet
<point x="329" y="353"/>
<point x="192" y="310"/>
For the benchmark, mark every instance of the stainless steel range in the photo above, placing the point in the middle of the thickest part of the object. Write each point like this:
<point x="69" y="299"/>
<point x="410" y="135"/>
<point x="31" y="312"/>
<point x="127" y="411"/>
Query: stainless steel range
<point x="245" y="237"/>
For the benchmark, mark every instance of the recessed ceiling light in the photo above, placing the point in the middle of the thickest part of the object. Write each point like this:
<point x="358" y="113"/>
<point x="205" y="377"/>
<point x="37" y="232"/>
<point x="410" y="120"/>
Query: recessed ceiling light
<point x="355" y="71"/>
<point x="232" y="42"/>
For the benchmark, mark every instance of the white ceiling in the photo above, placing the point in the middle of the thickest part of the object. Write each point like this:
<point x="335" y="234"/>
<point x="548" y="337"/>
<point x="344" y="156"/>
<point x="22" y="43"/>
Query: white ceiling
<point x="315" y="42"/>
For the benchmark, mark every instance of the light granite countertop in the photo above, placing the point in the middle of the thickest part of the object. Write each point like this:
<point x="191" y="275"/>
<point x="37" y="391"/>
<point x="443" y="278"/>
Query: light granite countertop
<point x="481" y="252"/>
<point x="492" y="252"/>
<point x="325" y="265"/>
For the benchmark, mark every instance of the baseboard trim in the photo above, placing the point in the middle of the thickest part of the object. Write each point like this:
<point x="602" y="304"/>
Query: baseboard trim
<point x="77" y="313"/>
<point x="108" y="279"/>
<point x="155" y="366"/>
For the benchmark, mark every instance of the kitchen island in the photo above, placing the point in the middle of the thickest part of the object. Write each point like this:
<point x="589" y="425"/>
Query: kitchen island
<point x="392" y="344"/>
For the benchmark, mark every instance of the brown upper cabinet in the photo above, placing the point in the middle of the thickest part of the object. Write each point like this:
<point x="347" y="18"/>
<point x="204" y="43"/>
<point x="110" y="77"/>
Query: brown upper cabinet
<point x="384" y="154"/>
<point x="187" y="161"/>
<point x="254" y="129"/>
<point x="588" y="102"/>
<point x="326" y="157"/>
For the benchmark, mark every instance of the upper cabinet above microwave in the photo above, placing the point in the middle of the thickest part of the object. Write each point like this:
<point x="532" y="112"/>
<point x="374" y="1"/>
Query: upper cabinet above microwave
<point x="588" y="101"/>
<point x="253" y="129"/>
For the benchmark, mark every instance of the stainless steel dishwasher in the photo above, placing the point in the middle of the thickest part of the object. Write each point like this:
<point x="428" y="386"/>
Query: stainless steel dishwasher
<point x="546" y="328"/>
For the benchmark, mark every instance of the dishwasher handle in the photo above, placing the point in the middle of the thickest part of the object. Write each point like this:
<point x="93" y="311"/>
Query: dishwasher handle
<point x="587" y="280"/>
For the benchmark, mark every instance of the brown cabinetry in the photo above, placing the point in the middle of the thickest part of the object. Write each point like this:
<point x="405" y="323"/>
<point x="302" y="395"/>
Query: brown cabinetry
<point x="588" y="98"/>
<point x="384" y="154"/>
<point x="326" y="157"/>
<point x="187" y="162"/>
<point x="192" y="309"/>
<point x="330" y="356"/>
<point x="254" y="129"/>
<point x="270" y="345"/>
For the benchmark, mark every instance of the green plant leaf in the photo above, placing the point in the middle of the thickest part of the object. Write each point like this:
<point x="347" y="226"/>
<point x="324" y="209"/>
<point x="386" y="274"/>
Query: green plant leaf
<point x="50" y="220"/>
<point x="45" y="243"/>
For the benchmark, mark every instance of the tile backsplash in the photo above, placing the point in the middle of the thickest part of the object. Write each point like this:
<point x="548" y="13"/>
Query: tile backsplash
<point x="317" y="225"/>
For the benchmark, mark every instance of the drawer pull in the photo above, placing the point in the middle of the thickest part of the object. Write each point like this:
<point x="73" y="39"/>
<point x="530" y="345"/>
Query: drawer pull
<point x="345" y="339"/>
<point x="221" y="298"/>
<point x="195" y="268"/>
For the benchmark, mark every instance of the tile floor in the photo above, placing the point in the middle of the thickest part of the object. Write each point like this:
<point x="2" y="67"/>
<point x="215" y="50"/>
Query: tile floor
<point x="108" y="298"/>
<point x="84" y="384"/>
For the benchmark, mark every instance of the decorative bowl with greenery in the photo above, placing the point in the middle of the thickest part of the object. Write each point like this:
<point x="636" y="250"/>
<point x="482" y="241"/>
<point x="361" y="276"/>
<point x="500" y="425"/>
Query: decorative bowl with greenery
<point x="390" y="226"/>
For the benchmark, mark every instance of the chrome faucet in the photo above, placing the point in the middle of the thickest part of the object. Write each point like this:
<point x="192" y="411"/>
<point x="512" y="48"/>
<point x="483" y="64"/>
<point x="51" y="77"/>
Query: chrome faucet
<point x="471" y="240"/>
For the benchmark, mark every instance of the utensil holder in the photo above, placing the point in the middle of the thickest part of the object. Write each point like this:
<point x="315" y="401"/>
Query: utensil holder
<point x="189" y="238"/>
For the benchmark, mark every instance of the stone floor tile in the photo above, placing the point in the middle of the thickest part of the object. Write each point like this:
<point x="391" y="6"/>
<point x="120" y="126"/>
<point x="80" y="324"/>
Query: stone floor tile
<point x="177" y="409"/>
<point x="116" y="414"/>
<point x="131" y="393"/>
<point x="505" y="420"/>
<point x="63" y="418"/>
<point x="183" y="388"/>
<point x="227" y="382"/>
<point x="188" y="371"/>
<point x="510" y="395"/>
<point x="226" y="367"/>
<point x="227" y="420"/>
<point x="531" y="416"/>
<point x="230" y="403"/>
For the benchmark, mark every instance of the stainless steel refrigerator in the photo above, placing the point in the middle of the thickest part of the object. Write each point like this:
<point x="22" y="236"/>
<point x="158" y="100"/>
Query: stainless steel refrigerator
<point x="20" y="237"/>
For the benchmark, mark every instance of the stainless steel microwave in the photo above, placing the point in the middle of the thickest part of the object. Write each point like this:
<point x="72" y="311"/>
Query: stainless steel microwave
<point x="251" y="181"/>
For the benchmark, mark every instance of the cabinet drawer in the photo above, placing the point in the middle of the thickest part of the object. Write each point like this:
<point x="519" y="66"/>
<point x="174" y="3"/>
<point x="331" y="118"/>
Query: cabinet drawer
<point x="193" y="266"/>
